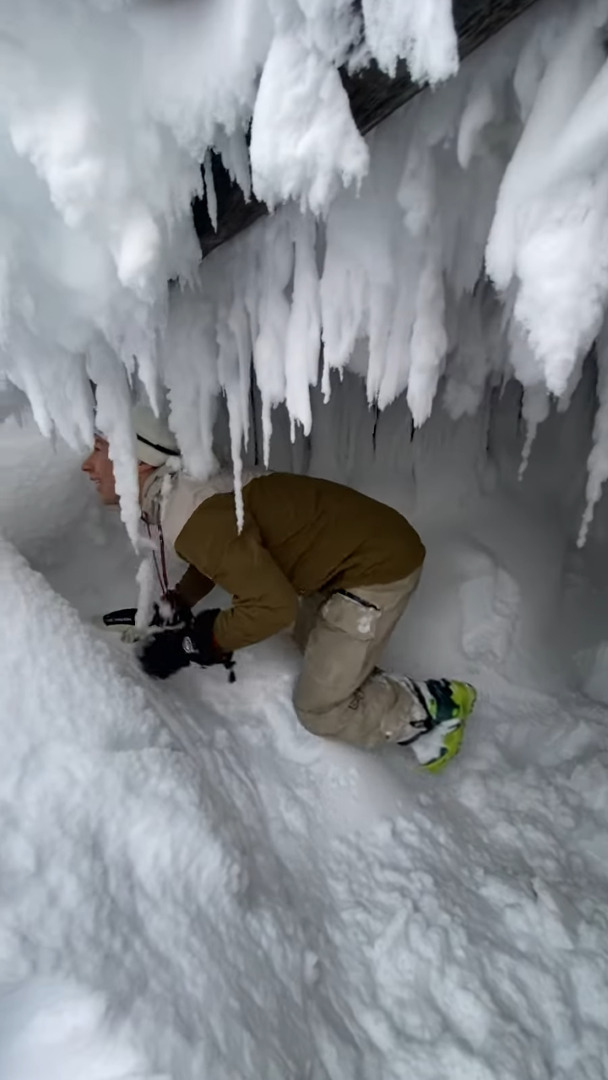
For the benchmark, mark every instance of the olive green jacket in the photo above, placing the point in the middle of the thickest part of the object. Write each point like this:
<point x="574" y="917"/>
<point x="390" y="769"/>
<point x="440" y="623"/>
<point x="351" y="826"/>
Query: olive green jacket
<point x="300" y="536"/>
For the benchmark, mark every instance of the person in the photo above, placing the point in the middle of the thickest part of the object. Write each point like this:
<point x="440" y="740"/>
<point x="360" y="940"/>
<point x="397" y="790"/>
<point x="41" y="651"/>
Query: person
<point x="333" y="563"/>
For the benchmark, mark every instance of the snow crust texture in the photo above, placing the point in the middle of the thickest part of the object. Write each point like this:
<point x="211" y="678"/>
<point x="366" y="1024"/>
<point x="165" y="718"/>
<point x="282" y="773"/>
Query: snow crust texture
<point x="464" y="240"/>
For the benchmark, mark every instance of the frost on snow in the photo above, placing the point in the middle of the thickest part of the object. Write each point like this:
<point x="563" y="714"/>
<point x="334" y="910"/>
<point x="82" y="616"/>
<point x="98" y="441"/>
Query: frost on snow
<point x="463" y="241"/>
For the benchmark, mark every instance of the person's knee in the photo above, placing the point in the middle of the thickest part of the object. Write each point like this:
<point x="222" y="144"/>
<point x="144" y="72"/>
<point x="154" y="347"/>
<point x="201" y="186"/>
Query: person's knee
<point x="317" y="723"/>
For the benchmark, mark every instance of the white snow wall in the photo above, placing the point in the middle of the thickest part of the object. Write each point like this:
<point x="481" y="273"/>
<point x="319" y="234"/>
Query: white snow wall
<point x="466" y="238"/>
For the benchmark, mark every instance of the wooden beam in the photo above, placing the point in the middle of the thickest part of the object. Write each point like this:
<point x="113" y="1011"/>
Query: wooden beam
<point x="373" y="96"/>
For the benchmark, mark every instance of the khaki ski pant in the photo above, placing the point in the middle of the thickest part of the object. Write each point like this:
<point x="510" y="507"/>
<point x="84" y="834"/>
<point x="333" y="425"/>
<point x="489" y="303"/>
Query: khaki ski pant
<point x="341" y="693"/>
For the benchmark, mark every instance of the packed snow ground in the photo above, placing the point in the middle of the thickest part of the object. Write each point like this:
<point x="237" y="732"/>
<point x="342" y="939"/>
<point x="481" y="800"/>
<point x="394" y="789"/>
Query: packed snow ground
<point x="269" y="904"/>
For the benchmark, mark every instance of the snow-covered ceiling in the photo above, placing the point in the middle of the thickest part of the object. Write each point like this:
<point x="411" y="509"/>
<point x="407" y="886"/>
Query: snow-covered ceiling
<point x="465" y="237"/>
<point x="373" y="95"/>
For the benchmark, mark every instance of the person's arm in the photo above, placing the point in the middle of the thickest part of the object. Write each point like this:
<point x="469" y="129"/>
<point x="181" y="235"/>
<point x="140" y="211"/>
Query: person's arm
<point x="193" y="586"/>
<point x="264" y="601"/>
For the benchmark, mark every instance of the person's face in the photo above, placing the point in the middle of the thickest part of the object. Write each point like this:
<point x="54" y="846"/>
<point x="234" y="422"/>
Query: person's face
<point x="100" y="470"/>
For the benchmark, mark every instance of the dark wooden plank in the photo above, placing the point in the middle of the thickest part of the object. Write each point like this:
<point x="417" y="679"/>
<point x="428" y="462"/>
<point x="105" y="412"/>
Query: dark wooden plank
<point x="373" y="96"/>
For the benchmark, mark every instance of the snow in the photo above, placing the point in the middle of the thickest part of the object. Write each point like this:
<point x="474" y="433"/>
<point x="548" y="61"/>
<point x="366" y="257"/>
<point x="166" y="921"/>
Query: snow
<point x="307" y="138"/>
<point x="50" y="1028"/>
<point x="549" y="230"/>
<point x="192" y="885"/>
<point x="464" y="238"/>
<point x="422" y="33"/>
<point x="97" y="174"/>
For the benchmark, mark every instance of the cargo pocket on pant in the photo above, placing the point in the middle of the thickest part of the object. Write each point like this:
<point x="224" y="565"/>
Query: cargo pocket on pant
<point x="336" y="662"/>
<point x="355" y="617"/>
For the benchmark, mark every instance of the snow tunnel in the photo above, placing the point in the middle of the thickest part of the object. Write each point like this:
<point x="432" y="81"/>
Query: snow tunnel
<point x="402" y="213"/>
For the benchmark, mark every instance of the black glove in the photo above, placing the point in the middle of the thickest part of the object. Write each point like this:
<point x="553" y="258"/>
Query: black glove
<point x="172" y="611"/>
<point x="164" y="653"/>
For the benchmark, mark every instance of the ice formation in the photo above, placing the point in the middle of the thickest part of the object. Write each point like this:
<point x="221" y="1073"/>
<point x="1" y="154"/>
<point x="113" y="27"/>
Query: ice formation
<point x="463" y="241"/>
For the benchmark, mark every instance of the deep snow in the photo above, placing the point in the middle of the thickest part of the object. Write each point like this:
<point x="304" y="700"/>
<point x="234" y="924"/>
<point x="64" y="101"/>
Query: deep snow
<point x="267" y="904"/>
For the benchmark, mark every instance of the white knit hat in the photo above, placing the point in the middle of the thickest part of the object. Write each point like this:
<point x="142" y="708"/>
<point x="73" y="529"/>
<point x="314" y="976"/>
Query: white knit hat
<point x="156" y="444"/>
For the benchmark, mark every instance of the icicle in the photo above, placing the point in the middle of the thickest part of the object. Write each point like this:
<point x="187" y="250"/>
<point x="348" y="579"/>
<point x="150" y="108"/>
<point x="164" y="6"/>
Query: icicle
<point x="210" y="190"/>
<point x="145" y="592"/>
<point x="113" y="420"/>
<point x="303" y="338"/>
<point x="428" y="346"/>
<point x="429" y="340"/>
<point x="565" y="400"/>
<point x="535" y="410"/>
<point x="342" y="289"/>
<point x="269" y="344"/>
<point x="398" y="356"/>
<point x="478" y="113"/>
<point x="234" y="153"/>
<point x="525" y="364"/>
<point x="230" y="374"/>
<point x="326" y="381"/>
<point x="188" y="356"/>
<point x="381" y="309"/>
<point x="238" y="323"/>
<point x="597" y="465"/>
<point x="56" y="386"/>
<point x="468" y="367"/>
<point x="236" y="450"/>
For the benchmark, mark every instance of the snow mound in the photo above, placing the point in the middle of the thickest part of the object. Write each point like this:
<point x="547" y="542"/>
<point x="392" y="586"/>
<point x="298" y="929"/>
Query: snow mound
<point x="490" y="602"/>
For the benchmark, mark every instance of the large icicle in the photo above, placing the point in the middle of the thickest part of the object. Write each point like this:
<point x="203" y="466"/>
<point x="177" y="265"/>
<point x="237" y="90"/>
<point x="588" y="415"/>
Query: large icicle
<point x="275" y="269"/>
<point x="113" y="421"/>
<point x="189" y="365"/>
<point x="598" y="458"/>
<point x="302" y="343"/>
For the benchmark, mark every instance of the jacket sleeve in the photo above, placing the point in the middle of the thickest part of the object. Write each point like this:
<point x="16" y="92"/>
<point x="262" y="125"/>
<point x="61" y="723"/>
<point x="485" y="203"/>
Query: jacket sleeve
<point x="193" y="586"/>
<point x="263" y="600"/>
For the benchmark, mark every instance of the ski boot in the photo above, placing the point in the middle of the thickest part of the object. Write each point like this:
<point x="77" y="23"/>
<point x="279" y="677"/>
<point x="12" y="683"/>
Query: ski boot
<point x="447" y="705"/>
